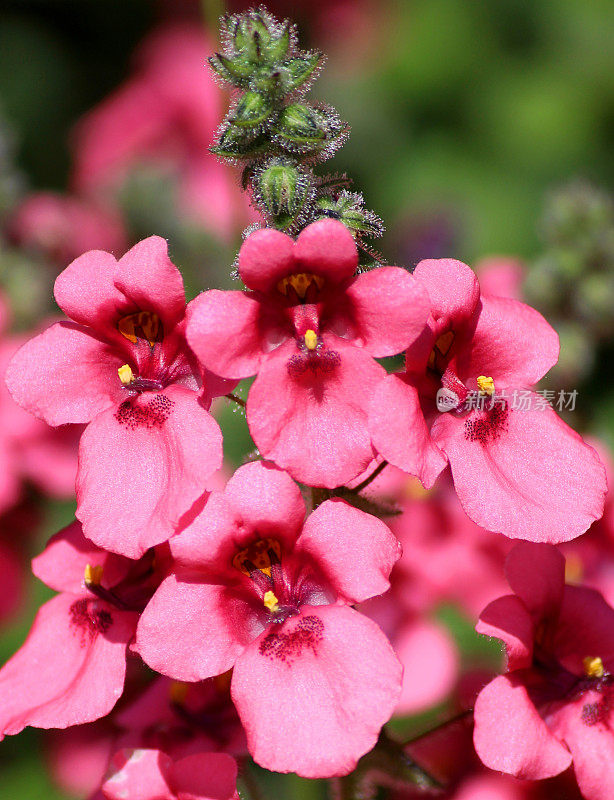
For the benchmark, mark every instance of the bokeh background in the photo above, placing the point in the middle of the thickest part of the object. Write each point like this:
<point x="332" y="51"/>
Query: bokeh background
<point x="482" y="131"/>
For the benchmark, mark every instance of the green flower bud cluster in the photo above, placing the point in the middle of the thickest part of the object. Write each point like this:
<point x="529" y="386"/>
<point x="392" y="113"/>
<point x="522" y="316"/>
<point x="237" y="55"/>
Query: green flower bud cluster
<point x="572" y="282"/>
<point x="276" y="134"/>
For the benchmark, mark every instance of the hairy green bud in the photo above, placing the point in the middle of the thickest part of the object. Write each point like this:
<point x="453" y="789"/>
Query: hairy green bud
<point x="252" y="109"/>
<point x="283" y="191"/>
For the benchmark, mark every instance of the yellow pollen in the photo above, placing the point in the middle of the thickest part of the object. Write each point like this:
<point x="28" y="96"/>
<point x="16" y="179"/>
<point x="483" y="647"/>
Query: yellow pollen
<point x="414" y="490"/>
<point x="311" y="339"/>
<point x="178" y="691"/>
<point x="593" y="667"/>
<point x="126" y="375"/>
<point x="486" y="385"/>
<point x="574" y="569"/>
<point x="92" y="575"/>
<point x="271" y="601"/>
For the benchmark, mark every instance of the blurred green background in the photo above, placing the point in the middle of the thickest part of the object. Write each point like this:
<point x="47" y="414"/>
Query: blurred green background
<point x="464" y="117"/>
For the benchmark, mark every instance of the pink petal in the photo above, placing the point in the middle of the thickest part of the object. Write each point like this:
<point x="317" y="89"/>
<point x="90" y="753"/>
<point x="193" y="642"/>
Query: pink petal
<point x="228" y="332"/>
<point x="204" y="776"/>
<point x="536" y="573"/>
<point x="591" y="744"/>
<point x="585" y="627"/>
<point x="512" y="343"/>
<point x="356" y="551"/>
<point x="399" y="431"/>
<point x="430" y="665"/>
<point x="62" y="563"/>
<point x="86" y="292"/>
<point x="452" y="287"/>
<point x="13" y="584"/>
<point x="313" y="693"/>
<point x="511" y="737"/>
<point x="139" y="775"/>
<point x="191" y="631"/>
<point x="71" y="667"/>
<point x="326" y="248"/>
<point x="258" y="501"/>
<point x="266" y="257"/>
<point x="314" y="424"/>
<point x="149" y="281"/>
<point x="507" y="619"/>
<point x="388" y="309"/>
<point x="523" y="472"/>
<point x="65" y="375"/>
<point x="501" y="276"/>
<point x="142" y="466"/>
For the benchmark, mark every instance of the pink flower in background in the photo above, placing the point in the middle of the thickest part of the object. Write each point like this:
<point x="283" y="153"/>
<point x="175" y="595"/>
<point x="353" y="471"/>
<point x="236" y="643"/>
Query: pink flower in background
<point x="518" y="470"/>
<point x="259" y="589"/>
<point x="153" y="775"/>
<point x="554" y="706"/>
<point x="166" y="114"/>
<point x="501" y="276"/>
<point x="123" y="365"/>
<point x="71" y="667"/>
<point x="310" y="329"/>
<point x="64" y="227"/>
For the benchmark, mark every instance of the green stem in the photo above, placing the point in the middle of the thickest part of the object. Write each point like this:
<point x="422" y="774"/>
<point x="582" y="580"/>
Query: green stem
<point x="363" y="484"/>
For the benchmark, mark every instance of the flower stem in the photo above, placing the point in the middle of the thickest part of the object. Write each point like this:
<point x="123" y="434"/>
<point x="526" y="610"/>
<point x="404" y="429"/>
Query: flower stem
<point x="363" y="484"/>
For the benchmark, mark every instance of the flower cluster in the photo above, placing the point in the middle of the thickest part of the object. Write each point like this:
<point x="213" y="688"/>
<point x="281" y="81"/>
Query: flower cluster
<point x="263" y="605"/>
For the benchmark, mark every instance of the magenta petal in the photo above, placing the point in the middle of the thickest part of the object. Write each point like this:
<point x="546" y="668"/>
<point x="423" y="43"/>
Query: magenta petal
<point x="224" y="332"/>
<point x="62" y="563"/>
<point x="356" y="551"/>
<point x="149" y="281"/>
<point x="259" y="500"/>
<point x="139" y="775"/>
<point x="511" y="737"/>
<point x="591" y="745"/>
<point x="64" y="375"/>
<point x="142" y="466"/>
<point x="389" y="309"/>
<point x="452" y="287"/>
<point x="191" y="631"/>
<point x="507" y="619"/>
<point x="204" y="776"/>
<point x="536" y="573"/>
<point x="86" y="292"/>
<point x="512" y="343"/>
<point x="313" y="693"/>
<point x="314" y="424"/>
<point x="266" y="257"/>
<point x="399" y="431"/>
<point x="523" y="472"/>
<point x="71" y="667"/>
<point x="326" y="248"/>
<point x="585" y="627"/>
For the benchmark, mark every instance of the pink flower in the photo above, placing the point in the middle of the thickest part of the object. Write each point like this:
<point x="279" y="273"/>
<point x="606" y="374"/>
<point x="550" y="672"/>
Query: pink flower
<point x="309" y="328"/>
<point x="554" y="706"/>
<point x="166" y="114"/>
<point x="258" y="589"/>
<point x="517" y="467"/>
<point x="123" y="365"/>
<point x="152" y="775"/>
<point x="63" y="227"/>
<point x="71" y="667"/>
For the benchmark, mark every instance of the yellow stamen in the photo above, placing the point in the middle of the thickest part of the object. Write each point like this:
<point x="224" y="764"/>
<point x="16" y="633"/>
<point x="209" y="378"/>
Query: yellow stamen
<point x="257" y="553"/>
<point x="178" y="691"/>
<point x="92" y="575"/>
<point x="126" y="375"/>
<point x="311" y="339"/>
<point x="593" y="667"/>
<point x="270" y="601"/>
<point x="300" y="282"/>
<point x="486" y="385"/>
<point x="441" y="348"/>
<point x="414" y="490"/>
<point x="574" y="569"/>
<point x="143" y="323"/>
